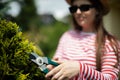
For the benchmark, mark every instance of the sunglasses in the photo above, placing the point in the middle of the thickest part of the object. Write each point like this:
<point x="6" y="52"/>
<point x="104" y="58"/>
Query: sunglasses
<point x="82" y="8"/>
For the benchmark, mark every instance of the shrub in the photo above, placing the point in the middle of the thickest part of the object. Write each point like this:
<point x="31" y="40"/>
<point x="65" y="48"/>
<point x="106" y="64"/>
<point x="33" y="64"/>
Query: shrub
<point x="14" y="57"/>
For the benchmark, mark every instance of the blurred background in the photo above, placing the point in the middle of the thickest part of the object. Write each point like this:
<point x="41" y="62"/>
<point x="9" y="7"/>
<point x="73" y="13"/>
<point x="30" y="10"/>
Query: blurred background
<point x="44" y="21"/>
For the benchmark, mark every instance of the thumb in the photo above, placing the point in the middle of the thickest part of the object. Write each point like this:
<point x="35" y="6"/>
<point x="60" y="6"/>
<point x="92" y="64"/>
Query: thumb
<point x="59" y="61"/>
<point x="55" y="59"/>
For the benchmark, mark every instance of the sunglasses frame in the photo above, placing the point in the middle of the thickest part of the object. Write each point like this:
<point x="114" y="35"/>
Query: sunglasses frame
<point x="83" y="8"/>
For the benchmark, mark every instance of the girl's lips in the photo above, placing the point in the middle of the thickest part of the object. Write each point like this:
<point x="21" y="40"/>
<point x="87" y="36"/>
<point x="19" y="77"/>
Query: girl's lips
<point x="80" y="18"/>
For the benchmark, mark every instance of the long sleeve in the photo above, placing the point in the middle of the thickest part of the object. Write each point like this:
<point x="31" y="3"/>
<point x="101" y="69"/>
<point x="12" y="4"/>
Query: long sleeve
<point x="109" y="71"/>
<point x="81" y="47"/>
<point x="109" y="67"/>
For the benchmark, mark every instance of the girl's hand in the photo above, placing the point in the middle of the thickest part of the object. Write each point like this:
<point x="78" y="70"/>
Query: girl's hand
<point x="50" y="67"/>
<point x="65" y="71"/>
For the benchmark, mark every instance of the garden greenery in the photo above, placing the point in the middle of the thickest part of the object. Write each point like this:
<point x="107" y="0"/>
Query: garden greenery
<point x="14" y="57"/>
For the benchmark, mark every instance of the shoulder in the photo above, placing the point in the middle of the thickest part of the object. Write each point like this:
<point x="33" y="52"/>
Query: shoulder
<point x="69" y="33"/>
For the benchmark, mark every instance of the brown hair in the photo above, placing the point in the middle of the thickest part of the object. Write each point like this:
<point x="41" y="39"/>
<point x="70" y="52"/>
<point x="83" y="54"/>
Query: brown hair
<point x="102" y="8"/>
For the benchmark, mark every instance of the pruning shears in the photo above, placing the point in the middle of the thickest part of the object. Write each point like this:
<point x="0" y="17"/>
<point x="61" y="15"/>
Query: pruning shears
<point x="42" y="62"/>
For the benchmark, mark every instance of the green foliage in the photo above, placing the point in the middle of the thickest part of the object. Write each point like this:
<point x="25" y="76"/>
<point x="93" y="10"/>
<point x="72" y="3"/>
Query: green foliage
<point x="14" y="57"/>
<point x="22" y="76"/>
<point x="50" y="35"/>
<point x="28" y="10"/>
<point x="3" y="8"/>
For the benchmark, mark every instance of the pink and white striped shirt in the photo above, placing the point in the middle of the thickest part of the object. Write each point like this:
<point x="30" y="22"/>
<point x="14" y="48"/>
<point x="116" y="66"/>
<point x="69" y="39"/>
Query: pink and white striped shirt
<point x="80" y="46"/>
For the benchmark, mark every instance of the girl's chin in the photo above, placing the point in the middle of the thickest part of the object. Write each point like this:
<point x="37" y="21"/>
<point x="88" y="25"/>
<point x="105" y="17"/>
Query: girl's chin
<point x="82" y="23"/>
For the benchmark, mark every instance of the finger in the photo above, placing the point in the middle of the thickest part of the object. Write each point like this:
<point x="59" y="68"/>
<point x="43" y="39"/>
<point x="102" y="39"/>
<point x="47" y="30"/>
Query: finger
<point x="50" y="67"/>
<point x="63" y="78"/>
<point x="53" y="71"/>
<point x="61" y="61"/>
<point x="56" y="58"/>
<point x="56" y="76"/>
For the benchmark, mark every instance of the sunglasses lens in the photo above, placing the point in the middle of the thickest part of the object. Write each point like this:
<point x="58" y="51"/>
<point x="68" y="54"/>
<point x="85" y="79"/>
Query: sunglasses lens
<point x="85" y="7"/>
<point x="73" y="9"/>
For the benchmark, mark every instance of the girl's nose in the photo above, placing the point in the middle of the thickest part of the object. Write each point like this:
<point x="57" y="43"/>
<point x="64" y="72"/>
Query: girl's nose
<point x="78" y="11"/>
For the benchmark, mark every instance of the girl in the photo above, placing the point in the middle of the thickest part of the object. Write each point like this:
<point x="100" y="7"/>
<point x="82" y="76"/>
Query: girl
<point x="88" y="52"/>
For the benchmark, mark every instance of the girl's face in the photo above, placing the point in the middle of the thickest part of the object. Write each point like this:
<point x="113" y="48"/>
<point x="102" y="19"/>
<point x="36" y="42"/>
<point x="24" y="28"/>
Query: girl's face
<point x="85" y="15"/>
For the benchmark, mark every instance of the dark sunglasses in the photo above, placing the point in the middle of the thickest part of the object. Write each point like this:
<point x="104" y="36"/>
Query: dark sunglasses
<point x="82" y="8"/>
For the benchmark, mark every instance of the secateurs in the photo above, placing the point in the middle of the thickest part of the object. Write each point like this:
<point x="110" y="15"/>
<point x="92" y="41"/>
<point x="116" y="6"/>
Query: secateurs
<point x="42" y="62"/>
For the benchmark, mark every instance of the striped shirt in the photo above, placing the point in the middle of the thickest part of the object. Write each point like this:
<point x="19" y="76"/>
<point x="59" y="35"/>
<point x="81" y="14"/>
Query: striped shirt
<point x="80" y="46"/>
